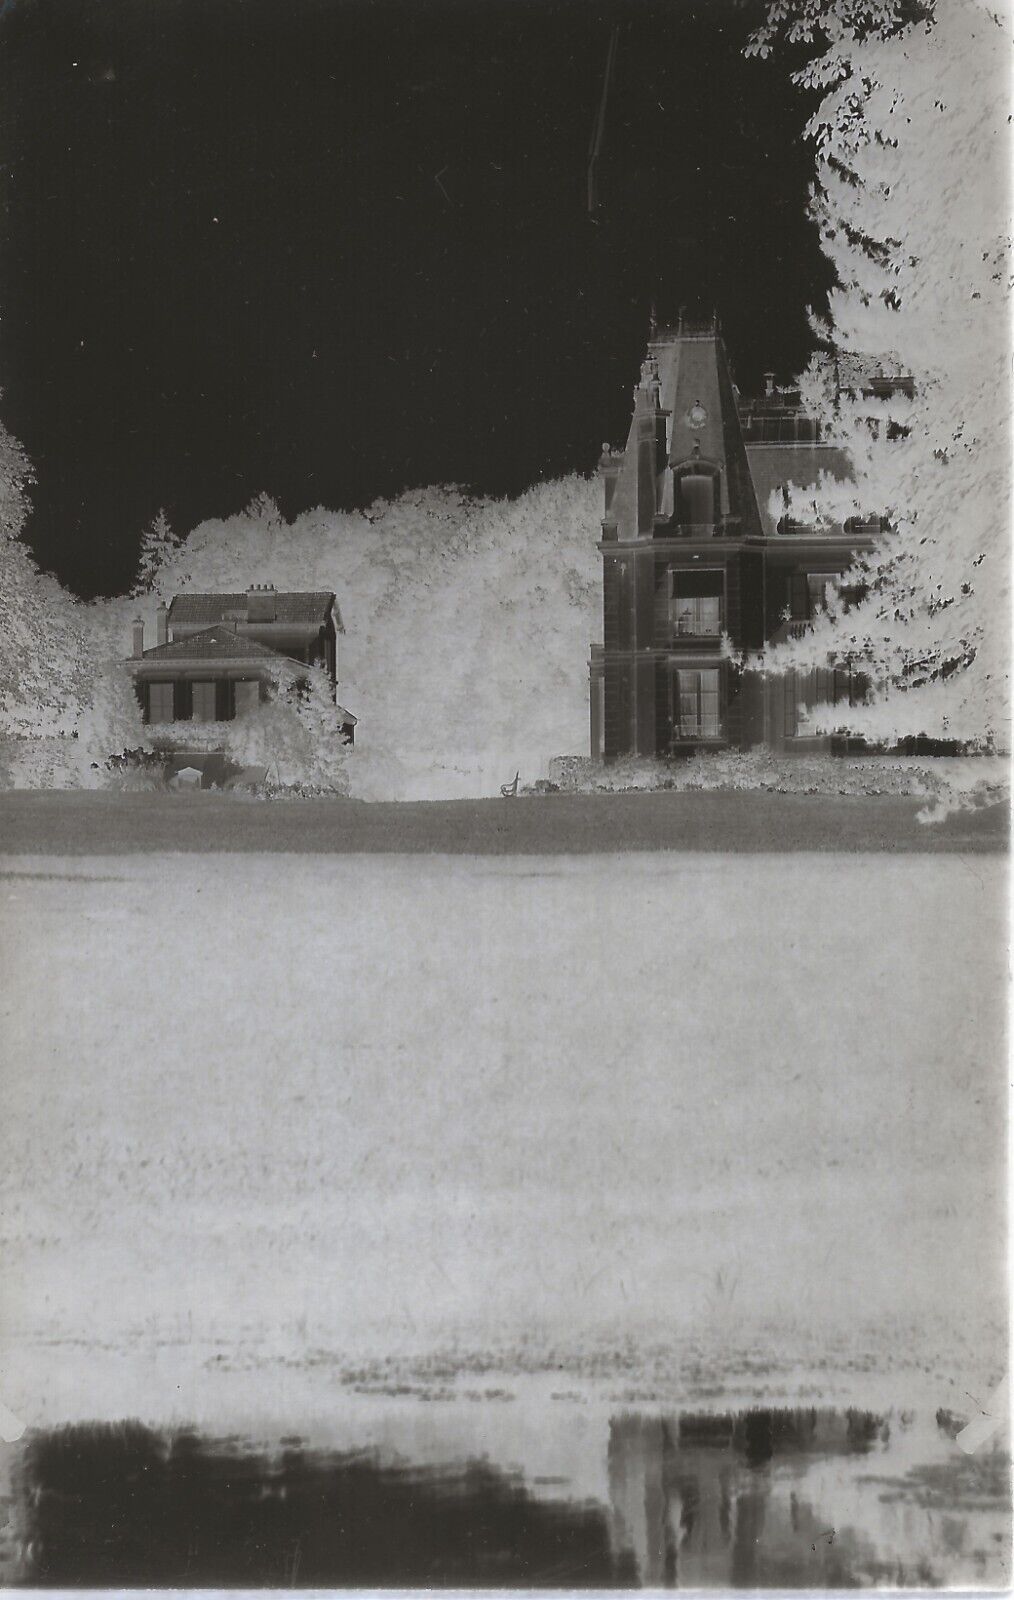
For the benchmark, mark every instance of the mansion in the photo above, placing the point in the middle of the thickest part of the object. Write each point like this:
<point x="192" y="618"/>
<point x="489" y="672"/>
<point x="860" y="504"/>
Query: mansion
<point x="695" y="557"/>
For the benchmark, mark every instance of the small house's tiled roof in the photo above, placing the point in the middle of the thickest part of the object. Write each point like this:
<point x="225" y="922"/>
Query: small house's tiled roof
<point x="213" y="644"/>
<point x="775" y="465"/>
<point x="305" y="608"/>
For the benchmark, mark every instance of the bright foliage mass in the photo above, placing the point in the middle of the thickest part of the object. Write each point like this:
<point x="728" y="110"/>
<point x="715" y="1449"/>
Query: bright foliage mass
<point x="911" y="198"/>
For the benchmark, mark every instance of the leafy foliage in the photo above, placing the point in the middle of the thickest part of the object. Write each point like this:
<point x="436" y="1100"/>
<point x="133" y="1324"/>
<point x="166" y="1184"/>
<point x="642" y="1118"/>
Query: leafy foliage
<point x="158" y="545"/>
<point x="46" y="663"/>
<point x="296" y="734"/>
<point x="911" y="139"/>
<point x="467" y="623"/>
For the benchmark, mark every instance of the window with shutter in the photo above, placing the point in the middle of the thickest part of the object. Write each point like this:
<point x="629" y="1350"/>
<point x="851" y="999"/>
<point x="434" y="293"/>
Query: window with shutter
<point x="160" y="702"/>
<point x="203" y="702"/>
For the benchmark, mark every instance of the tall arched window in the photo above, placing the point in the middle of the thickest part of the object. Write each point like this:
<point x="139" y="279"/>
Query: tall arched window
<point x="695" y="500"/>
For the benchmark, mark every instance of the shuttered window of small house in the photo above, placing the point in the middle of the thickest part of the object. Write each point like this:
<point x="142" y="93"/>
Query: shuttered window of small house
<point x="203" y="702"/>
<point x="160" y="702"/>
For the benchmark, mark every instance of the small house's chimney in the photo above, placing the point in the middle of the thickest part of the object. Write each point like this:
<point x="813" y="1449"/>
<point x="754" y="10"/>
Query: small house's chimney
<point x="138" y="637"/>
<point x="769" y="384"/>
<point x="261" y="602"/>
<point x="161" y="624"/>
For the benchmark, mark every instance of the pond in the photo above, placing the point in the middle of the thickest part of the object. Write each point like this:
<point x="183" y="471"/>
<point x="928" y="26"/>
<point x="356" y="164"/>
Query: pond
<point x="759" y="1498"/>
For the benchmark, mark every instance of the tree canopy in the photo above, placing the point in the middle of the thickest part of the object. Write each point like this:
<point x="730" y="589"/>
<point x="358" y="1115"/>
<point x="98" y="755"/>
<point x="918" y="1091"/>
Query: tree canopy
<point x="911" y="199"/>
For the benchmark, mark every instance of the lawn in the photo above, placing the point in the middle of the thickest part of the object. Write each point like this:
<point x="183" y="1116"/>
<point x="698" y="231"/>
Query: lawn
<point x="100" y="823"/>
<point x="737" y="1117"/>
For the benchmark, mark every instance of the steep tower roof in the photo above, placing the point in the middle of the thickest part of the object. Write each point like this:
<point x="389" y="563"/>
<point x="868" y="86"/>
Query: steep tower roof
<point x="703" y="422"/>
<point x="685" y="421"/>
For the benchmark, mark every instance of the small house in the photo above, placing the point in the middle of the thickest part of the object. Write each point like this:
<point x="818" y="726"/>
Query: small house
<point x="215" y="656"/>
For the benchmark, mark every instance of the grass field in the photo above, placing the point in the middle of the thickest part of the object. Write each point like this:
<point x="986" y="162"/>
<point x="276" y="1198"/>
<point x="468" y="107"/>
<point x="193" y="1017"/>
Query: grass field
<point x="732" y="1121"/>
<point x="101" y="823"/>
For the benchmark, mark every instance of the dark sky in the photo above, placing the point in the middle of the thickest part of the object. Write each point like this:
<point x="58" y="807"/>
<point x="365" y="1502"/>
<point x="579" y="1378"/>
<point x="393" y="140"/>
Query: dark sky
<point x="333" y="248"/>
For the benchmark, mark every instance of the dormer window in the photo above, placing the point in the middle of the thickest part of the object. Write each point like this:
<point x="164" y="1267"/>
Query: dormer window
<point x="695" y="500"/>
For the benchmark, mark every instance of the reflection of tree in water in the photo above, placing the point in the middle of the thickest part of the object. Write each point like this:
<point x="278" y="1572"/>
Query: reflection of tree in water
<point x="126" y="1506"/>
<point x="705" y="1501"/>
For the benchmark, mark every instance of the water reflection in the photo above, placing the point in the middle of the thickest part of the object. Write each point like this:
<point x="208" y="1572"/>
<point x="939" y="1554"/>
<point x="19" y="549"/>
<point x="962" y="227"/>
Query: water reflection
<point x="757" y="1499"/>
<point x="803" y="1498"/>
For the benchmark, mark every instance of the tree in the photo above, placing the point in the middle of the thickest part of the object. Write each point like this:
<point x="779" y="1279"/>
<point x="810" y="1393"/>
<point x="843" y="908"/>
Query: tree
<point x="296" y="733"/>
<point x="911" y="141"/>
<point x="43" y="646"/>
<point x="58" y="681"/>
<point x="158" y="547"/>
<point x="109" y="722"/>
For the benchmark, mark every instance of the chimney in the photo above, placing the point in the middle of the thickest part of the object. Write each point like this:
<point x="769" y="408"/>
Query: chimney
<point x="769" y="384"/>
<point x="261" y="602"/>
<point x="161" y="624"/>
<point x="138" y="637"/>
